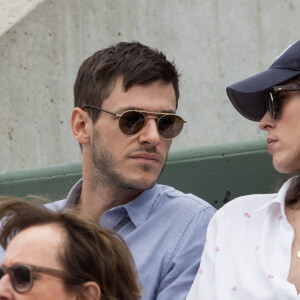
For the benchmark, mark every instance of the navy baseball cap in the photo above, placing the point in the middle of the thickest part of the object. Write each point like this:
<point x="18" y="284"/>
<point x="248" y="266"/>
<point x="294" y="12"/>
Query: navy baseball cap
<point x="248" y="95"/>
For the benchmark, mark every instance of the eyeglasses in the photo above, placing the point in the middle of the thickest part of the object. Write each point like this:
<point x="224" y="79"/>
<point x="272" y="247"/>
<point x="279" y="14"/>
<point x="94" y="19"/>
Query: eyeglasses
<point x="274" y="102"/>
<point x="21" y="275"/>
<point x="169" y="125"/>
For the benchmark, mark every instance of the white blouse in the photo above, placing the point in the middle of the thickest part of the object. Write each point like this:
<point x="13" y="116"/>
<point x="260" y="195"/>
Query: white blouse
<point x="247" y="254"/>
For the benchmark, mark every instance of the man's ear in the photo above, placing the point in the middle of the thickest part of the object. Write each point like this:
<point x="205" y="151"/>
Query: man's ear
<point x="81" y="125"/>
<point x="92" y="291"/>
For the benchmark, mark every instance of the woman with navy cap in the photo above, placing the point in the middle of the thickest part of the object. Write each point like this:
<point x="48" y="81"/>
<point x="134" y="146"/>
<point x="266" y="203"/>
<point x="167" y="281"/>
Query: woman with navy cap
<point x="253" y="243"/>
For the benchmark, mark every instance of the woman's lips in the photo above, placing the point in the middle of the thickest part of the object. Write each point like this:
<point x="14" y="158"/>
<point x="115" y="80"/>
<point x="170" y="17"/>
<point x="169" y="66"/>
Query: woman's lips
<point x="271" y="143"/>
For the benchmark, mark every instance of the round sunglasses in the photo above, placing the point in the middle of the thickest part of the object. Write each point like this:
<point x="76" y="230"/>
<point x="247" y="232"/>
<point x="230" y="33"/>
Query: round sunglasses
<point x="21" y="275"/>
<point x="273" y="98"/>
<point x="169" y="125"/>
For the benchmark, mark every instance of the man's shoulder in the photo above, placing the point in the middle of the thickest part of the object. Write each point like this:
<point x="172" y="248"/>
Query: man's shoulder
<point x="57" y="205"/>
<point x="171" y="197"/>
<point x="71" y="199"/>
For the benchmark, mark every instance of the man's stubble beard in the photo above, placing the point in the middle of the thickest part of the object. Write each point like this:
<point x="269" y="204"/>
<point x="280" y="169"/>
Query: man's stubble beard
<point x="105" y="173"/>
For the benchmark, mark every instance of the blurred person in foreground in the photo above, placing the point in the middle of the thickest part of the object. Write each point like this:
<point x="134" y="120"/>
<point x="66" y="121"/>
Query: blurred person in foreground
<point x="61" y="255"/>
<point x="253" y="243"/>
<point x="125" y="99"/>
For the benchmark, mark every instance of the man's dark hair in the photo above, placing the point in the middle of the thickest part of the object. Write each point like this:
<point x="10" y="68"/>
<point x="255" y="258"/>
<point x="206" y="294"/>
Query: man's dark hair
<point x="134" y="62"/>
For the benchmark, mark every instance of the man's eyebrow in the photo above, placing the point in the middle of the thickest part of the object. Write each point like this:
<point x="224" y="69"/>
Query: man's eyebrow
<point x="121" y="110"/>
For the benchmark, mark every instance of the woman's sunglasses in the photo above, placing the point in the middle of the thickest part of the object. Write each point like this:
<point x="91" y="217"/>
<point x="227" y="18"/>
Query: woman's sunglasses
<point x="169" y="125"/>
<point x="21" y="275"/>
<point x="273" y="98"/>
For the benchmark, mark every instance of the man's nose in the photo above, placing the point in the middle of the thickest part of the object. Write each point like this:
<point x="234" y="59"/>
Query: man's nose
<point x="149" y="134"/>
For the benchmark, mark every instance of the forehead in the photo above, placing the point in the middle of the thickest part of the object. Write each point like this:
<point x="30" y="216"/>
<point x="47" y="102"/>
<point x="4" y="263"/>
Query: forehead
<point x="156" y="96"/>
<point x="295" y="80"/>
<point x="37" y="245"/>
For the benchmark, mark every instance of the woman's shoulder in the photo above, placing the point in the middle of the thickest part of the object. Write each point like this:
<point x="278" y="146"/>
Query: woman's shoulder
<point x="233" y="216"/>
<point x="245" y="205"/>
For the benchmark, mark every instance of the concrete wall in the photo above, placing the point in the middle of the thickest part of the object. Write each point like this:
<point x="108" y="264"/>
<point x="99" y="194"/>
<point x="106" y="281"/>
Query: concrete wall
<point x="12" y="11"/>
<point x="214" y="43"/>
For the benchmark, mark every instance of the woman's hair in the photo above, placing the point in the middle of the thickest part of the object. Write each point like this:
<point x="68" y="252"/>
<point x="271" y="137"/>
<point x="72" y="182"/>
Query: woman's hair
<point x="293" y="80"/>
<point x="293" y="193"/>
<point x="91" y="253"/>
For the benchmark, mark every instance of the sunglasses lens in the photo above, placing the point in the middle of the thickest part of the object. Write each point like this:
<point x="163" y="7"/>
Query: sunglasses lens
<point x="131" y="122"/>
<point x="21" y="278"/>
<point x="269" y="104"/>
<point x="272" y="105"/>
<point x="170" y="126"/>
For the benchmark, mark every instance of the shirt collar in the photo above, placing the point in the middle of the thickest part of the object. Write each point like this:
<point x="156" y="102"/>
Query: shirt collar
<point x="74" y="194"/>
<point x="278" y="198"/>
<point x="137" y="209"/>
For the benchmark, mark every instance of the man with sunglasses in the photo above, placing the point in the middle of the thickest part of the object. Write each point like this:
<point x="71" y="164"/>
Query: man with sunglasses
<point x="125" y="118"/>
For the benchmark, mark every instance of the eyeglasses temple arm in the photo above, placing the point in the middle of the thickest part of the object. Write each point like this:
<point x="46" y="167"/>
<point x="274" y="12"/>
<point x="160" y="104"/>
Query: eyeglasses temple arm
<point x="109" y="112"/>
<point x="56" y="273"/>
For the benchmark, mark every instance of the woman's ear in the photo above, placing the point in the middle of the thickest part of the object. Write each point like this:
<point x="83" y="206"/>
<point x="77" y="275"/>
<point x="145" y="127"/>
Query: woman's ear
<point x="81" y="125"/>
<point x="92" y="291"/>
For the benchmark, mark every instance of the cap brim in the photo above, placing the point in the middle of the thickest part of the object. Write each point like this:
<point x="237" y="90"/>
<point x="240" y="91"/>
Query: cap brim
<point x="248" y="95"/>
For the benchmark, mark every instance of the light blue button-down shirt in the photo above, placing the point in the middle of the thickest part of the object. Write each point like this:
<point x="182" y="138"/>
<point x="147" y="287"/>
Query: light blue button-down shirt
<point x="165" y="230"/>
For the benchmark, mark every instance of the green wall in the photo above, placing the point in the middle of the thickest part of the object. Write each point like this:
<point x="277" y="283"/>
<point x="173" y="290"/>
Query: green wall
<point x="216" y="173"/>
